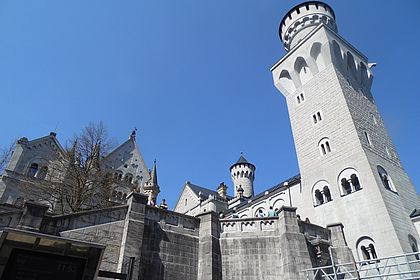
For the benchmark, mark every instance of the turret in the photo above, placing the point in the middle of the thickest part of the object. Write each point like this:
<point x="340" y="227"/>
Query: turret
<point x="151" y="188"/>
<point x="302" y="19"/>
<point x="221" y="190"/>
<point x="243" y="174"/>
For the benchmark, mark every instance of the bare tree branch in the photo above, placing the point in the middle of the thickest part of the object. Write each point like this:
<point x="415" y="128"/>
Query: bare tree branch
<point x="5" y="155"/>
<point x="77" y="180"/>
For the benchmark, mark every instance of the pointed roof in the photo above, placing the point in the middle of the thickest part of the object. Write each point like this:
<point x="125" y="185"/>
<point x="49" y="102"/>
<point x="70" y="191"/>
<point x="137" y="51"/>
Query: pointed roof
<point x="241" y="160"/>
<point x="153" y="175"/>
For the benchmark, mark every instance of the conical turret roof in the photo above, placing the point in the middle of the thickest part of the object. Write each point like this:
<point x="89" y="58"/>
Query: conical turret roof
<point x="242" y="160"/>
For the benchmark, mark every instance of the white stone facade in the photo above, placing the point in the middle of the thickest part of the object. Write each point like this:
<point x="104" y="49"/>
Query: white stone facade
<point x="345" y="148"/>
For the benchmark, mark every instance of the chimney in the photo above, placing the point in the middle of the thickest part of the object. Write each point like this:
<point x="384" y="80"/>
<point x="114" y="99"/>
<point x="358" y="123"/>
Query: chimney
<point x="221" y="189"/>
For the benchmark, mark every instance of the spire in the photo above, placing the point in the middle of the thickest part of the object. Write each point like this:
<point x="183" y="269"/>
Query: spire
<point x="151" y="187"/>
<point x="153" y="174"/>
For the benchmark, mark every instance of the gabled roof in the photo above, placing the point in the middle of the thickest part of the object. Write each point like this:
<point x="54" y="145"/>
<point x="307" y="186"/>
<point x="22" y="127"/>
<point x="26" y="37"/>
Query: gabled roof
<point x="51" y="136"/>
<point x="204" y="191"/>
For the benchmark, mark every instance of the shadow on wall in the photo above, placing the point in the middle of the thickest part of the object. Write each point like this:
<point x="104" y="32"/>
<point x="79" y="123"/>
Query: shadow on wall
<point x="151" y="265"/>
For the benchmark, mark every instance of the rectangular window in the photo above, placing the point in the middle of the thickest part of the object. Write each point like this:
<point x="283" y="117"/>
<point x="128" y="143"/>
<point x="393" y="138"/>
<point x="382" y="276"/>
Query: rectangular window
<point x="317" y="117"/>
<point x="368" y="138"/>
<point x="300" y="98"/>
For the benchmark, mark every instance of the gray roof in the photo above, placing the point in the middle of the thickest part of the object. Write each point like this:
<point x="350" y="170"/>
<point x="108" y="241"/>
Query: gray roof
<point x="242" y="160"/>
<point x="204" y="191"/>
<point x="265" y="193"/>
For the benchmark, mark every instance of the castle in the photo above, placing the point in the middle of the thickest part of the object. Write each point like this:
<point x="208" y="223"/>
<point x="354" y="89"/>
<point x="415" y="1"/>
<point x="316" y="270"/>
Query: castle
<point x="351" y="205"/>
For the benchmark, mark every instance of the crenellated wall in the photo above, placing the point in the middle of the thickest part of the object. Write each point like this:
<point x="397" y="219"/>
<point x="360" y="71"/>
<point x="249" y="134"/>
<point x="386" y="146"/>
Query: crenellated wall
<point x="156" y="244"/>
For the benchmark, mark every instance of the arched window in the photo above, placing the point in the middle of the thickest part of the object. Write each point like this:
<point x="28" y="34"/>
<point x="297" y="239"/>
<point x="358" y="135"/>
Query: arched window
<point x="278" y="203"/>
<point x="346" y="186"/>
<point x="42" y="173"/>
<point x="324" y="146"/>
<point x="366" y="248"/>
<point x="337" y="51"/>
<point x="355" y="181"/>
<point x="321" y="193"/>
<point x="327" y="194"/>
<point x="316" y="55"/>
<point x="414" y="246"/>
<point x="364" y="74"/>
<point x="33" y="169"/>
<point x="348" y="181"/>
<point x="351" y="66"/>
<point x="386" y="180"/>
<point x="319" y="197"/>
<point x="128" y="178"/>
<point x="301" y="67"/>
<point x="260" y="212"/>
<point x="286" y="81"/>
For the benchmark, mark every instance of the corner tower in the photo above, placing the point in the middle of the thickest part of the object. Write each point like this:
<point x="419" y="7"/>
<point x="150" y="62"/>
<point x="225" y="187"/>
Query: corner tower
<point x="349" y="168"/>
<point x="243" y="174"/>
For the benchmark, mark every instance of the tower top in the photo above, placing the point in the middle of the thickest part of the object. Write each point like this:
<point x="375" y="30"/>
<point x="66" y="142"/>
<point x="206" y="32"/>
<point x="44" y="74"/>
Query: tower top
<point x="242" y="160"/>
<point x="302" y="19"/>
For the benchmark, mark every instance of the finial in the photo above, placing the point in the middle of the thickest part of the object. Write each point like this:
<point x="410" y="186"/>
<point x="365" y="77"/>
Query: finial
<point x="133" y="133"/>
<point x="154" y="162"/>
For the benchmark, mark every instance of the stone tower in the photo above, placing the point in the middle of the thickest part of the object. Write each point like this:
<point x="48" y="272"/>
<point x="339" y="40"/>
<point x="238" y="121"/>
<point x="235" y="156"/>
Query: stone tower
<point x="349" y="168"/>
<point x="151" y="187"/>
<point x="243" y="174"/>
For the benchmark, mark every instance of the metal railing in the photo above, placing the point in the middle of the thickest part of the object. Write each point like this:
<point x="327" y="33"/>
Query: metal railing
<point x="405" y="267"/>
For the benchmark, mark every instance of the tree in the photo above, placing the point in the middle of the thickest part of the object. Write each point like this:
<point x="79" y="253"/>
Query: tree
<point x="77" y="179"/>
<point x="5" y="155"/>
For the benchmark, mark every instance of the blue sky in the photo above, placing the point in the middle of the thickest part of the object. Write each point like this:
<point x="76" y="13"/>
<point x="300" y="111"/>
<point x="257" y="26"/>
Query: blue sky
<point x="192" y="76"/>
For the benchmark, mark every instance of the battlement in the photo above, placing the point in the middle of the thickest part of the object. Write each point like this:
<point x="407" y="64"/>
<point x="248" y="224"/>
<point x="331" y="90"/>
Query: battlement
<point x="302" y="19"/>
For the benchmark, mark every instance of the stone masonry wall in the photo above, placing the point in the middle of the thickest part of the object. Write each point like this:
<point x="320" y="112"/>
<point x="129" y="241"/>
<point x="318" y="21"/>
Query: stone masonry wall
<point x="109" y="234"/>
<point x="269" y="248"/>
<point x="170" y="246"/>
<point x="250" y="249"/>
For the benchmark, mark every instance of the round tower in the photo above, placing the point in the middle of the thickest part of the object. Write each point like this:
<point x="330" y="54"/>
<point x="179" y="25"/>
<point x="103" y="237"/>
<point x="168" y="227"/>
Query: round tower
<point x="302" y="19"/>
<point x="243" y="174"/>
